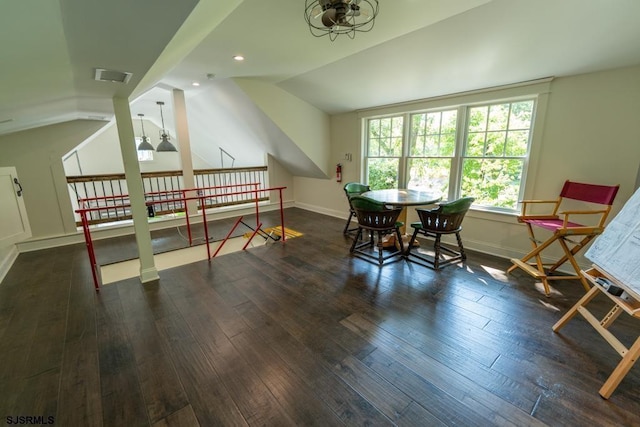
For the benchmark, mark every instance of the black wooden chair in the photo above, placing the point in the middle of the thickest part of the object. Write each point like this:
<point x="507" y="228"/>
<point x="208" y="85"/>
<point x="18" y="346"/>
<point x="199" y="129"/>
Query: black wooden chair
<point x="353" y="189"/>
<point x="434" y="223"/>
<point x="379" y="221"/>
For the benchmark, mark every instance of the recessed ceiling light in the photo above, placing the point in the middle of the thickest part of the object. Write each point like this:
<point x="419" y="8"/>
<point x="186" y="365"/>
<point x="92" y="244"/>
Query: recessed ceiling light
<point x="238" y="57"/>
<point x="195" y="84"/>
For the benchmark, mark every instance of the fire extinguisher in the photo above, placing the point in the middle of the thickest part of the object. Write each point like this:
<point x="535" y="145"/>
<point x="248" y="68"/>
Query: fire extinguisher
<point x="339" y="172"/>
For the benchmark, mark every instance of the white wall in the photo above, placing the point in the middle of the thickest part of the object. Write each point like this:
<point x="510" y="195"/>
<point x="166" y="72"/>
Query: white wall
<point x="304" y="125"/>
<point x="279" y="177"/>
<point x="242" y="121"/>
<point x="102" y="155"/>
<point x="589" y="135"/>
<point x="326" y="195"/>
<point x="37" y="156"/>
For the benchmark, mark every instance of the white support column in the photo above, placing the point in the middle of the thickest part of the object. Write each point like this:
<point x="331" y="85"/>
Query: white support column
<point x="148" y="271"/>
<point x="182" y="134"/>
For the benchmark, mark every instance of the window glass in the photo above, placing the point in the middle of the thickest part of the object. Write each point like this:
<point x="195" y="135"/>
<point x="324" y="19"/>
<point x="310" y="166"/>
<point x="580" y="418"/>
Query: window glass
<point x="484" y="157"/>
<point x="384" y="148"/>
<point x="496" y="149"/>
<point x="429" y="174"/>
<point x="432" y="144"/>
<point x="382" y="173"/>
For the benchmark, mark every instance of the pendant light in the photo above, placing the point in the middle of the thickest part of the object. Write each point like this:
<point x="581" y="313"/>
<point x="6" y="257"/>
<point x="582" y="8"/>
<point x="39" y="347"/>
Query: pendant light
<point x="145" y="145"/>
<point x="164" y="145"/>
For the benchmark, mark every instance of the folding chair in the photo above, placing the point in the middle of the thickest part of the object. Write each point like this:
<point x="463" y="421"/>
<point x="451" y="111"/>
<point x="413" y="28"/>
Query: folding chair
<point x="379" y="221"/>
<point x="558" y="222"/>
<point x="352" y="189"/>
<point x="445" y="219"/>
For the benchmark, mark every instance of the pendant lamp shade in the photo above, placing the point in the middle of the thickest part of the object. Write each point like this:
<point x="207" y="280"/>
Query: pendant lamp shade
<point x="145" y="145"/>
<point x="164" y="145"/>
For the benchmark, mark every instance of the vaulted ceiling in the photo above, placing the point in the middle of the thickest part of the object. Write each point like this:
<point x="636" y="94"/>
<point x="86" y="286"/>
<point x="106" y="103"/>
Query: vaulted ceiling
<point x="417" y="49"/>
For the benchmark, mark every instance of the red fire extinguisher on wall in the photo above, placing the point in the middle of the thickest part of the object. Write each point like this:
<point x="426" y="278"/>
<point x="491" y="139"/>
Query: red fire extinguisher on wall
<point x="339" y="172"/>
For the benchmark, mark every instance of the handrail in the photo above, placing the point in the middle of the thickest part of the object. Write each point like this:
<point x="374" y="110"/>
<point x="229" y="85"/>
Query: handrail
<point x="113" y="176"/>
<point x="156" y="185"/>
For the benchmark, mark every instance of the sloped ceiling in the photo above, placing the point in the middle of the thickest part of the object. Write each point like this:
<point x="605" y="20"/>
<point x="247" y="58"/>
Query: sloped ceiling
<point x="50" y="50"/>
<point x="417" y="49"/>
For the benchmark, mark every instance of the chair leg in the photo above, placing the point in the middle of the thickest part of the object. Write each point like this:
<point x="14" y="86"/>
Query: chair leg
<point x="436" y="247"/>
<point x="573" y="251"/>
<point x="463" y="255"/>
<point x="576" y="267"/>
<point x="539" y="263"/>
<point x="346" y="227"/>
<point x="534" y="251"/>
<point x="399" y="237"/>
<point x="412" y="241"/>
<point x="538" y="271"/>
<point x="380" y="249"/>
<point x="355" y="241"/>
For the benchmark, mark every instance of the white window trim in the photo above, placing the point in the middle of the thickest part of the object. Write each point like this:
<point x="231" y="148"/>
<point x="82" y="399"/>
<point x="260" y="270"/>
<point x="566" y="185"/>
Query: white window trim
<point x="538" y="89"/>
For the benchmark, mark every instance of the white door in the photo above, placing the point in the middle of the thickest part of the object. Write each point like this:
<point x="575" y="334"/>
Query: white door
<point x="14" y="224"/>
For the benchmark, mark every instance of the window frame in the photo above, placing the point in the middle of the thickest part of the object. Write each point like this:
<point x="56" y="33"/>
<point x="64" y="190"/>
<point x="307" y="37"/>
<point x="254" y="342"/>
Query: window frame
<point x="536" y="92"/>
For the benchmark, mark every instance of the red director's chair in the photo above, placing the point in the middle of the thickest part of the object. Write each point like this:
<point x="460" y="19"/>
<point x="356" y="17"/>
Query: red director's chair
<point x="563" y="229"/>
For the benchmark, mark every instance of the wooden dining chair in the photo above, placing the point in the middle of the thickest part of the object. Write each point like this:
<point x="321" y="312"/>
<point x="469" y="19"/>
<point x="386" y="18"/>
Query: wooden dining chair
<point x="375" y="218"/>
<point x="435" y="223"/>
<point x="352" y="189"/>
<point x="564" y="230"/>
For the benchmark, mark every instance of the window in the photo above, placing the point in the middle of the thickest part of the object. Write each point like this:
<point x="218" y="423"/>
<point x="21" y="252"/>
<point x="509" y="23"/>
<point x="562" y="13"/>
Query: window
<point x="432" y="146"/>
<point x="384" y="152"/>
<point x="495" y="152"/>
<point x="474" y="150"/>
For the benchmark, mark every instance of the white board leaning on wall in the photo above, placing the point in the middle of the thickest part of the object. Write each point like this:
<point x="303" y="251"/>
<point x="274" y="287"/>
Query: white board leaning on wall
<point x="617" y="249"/>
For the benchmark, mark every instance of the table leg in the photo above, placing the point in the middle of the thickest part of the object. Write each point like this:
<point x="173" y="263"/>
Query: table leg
<point x="406" y="238"/>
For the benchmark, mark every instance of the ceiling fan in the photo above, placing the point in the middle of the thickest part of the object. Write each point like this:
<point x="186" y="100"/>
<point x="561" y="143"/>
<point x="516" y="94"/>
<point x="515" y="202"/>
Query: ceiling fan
<point x="335" y="17"/>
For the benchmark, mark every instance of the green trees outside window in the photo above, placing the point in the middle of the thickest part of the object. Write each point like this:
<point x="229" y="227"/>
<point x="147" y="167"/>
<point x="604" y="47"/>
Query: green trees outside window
<point x="485" y="158"/>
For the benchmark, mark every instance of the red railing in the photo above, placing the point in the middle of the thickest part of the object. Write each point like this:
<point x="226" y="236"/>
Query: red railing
<point x="89" y="205"/>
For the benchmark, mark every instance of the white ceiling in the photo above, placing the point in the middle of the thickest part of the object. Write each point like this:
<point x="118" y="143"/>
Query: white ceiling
<point x="417" y="49"/>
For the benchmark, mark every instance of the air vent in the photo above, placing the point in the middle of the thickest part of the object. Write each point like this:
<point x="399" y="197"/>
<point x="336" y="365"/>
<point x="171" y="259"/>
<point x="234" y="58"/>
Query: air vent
<point x="112" y="76"/>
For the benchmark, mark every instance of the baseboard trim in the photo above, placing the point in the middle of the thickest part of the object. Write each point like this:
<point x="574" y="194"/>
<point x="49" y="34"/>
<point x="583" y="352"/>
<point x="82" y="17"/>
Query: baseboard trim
<point x="7" y="262"/>
<point x="506" y="253"/>
<point x="322" y="210"/>
<point x="475" y="245"/>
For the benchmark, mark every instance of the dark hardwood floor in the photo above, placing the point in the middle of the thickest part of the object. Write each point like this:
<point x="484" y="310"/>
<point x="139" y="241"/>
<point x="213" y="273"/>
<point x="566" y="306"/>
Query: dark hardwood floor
<point x="300" y="334"/>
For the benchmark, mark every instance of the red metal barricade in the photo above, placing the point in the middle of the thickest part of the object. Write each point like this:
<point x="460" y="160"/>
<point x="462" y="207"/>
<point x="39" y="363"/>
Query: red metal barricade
<point x="202" y="194"/>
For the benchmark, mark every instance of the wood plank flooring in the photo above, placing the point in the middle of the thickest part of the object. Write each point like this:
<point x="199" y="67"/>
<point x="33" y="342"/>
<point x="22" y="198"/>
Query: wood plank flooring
<point x="300" y="334"/>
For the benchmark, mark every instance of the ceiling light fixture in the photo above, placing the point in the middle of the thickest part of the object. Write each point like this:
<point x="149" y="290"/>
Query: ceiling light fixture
<point x="145" y="145"/>
<point x="335" y="17"/>
<point x="238" y="57"/>
<point x="164" y="145"/>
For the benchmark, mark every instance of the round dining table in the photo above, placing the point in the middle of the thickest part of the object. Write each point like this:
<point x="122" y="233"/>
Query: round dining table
<point x="404" y="198"/>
